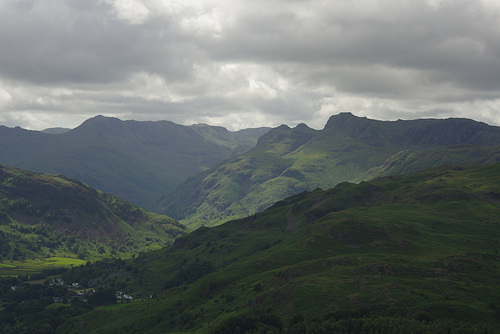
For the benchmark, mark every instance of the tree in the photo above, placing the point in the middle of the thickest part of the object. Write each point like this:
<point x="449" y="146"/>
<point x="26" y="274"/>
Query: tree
<point x="102" y="297"/>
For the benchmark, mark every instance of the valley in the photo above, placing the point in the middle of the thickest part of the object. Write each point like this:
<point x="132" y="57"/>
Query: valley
<point x="364" y="226"/>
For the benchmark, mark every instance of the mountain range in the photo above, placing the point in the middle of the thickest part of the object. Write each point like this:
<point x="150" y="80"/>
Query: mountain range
<point x="137" y="161"/>
<point x="205" y="175"/>
<point x="287" y="161"/>
<point x="406" y="248"/>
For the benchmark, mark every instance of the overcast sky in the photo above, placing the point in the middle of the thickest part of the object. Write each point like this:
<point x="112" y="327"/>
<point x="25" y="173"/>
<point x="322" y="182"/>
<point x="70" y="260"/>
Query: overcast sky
<point x="244" y="64"/>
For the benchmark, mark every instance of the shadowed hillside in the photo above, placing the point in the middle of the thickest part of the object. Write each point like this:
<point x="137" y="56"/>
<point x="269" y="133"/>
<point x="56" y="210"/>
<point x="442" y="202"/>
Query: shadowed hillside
<point x="137" y="161"/>
<point x="385" y="254"/>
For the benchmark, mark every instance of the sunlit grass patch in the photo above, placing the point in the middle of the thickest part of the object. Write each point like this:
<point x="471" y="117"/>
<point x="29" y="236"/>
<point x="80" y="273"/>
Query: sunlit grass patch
<point x="37" y="265"/>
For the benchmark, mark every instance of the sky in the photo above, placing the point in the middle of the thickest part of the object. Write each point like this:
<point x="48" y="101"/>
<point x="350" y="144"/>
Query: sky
<point x="242" y="64"/>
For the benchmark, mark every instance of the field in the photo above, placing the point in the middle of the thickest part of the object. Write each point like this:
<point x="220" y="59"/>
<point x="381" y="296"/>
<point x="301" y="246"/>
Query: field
<point x="27" y="267"/>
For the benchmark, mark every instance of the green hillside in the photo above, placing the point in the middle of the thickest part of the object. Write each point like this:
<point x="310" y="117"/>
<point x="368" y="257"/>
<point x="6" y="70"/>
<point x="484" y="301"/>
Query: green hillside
<point x="45" y="216"/>
<point x="416" y="253"/>
<point x="137" y="161"/>
<point x="406" y="162"/>
<point x="287" y="161"/>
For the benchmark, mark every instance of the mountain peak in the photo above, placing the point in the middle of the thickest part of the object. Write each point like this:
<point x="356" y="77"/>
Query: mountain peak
<point x="302" y="126"/>
<point x="99" y="119"/>
<point x="343" y="119"/>
<point x="273" y="134"/>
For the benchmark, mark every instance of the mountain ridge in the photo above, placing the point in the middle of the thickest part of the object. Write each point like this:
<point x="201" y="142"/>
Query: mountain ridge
<point x="137" y="161"/>
<point x="287" y="160"/>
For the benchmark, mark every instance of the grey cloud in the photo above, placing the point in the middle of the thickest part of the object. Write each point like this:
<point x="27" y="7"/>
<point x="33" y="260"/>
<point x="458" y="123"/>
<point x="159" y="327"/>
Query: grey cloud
<point x="458" y="43"/>
<point x="266" y="61"/>
<point x="53" y="42"/>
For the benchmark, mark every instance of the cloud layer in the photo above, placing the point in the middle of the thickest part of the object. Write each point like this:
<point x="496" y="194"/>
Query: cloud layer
<point x="244" y="64"/>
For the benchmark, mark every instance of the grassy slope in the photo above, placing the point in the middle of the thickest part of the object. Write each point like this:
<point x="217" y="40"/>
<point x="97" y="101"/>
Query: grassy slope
<point x="287" y="161"/>
<point x="406" y="162"/>
<point x="396" y="247"/>
<point x="52" y="215"/>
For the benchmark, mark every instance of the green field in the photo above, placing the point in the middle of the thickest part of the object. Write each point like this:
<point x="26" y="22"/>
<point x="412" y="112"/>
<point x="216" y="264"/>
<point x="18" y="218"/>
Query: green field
<point x="36" y="266"/>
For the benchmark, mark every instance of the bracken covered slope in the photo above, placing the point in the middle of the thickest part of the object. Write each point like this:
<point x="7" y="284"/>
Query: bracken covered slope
<point x="396" y="250"/>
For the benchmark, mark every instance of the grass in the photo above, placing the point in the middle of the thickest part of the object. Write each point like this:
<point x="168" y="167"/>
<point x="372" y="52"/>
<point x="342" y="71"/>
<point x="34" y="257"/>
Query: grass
<point x="406" y="162"/>
<point x="113" y="307"/>
<point x="37" y="265"/>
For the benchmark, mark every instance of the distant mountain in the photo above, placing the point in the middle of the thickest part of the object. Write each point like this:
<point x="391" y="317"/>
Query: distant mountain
<point x="406" y="253"/>
<point x="44" y="214"/>
<point x="55" y="131"/>
<point x="137" y="161"/>
<point x="287" y="161"/>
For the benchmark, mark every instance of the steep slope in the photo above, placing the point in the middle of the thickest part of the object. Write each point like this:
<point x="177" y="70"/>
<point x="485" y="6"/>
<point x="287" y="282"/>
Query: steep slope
<point x="17" y="144"/>
<point x="287" y="161"/>
<point x="44" y="214"/>
<point x="137" y="161"/>
<point x="406" y="162"/>
<point x="422" y="247"/>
